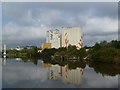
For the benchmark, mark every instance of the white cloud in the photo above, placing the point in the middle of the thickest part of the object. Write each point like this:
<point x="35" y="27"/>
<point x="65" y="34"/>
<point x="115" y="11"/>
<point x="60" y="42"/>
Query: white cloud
<point x="96" y="29"/>
<point x="27" y="18"/>
<point x="31" y="20"/>
<point x="101" y="26"/>
<point x="49" y="16"/>
<point x="13" y="31"/>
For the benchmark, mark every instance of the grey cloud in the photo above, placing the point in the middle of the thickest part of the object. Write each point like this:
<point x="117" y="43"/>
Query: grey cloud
<point x="101" y="26"/>
<point x="97" y="78"/>
<point x="96" y="19"/>
<point x="90" y="40"/>
<point x="16" y="11"/>
<point x="14" y="43"/>
<point x="102" y="8"/>
<point x="16" y="35"/>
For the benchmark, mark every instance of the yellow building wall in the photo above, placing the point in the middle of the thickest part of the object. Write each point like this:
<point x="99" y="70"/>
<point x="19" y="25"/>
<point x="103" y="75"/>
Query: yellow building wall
<point x="46" y="45"/>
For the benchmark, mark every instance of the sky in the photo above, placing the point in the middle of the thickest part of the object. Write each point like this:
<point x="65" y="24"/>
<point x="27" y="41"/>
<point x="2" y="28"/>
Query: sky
<point x="26" y="23"/>
<point x="0" y="24"/>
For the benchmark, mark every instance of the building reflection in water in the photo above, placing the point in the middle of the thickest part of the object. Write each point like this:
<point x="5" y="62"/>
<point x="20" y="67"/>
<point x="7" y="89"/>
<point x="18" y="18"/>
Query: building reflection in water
<point x="4" y="60"/>
<point x="18" y="59"/>
<point x="0" y="61"/>
<point x="68" y="76"/>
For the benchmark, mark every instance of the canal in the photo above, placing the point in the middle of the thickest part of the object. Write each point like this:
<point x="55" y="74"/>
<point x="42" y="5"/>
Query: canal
<point x="19" y="73"/>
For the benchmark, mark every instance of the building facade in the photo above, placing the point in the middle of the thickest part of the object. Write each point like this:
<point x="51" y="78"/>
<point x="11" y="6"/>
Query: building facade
<point x="53" y="37"/>
<point x="72" y="36"/>
<point x="46" y="45"/>
<point x="64" y="37"/>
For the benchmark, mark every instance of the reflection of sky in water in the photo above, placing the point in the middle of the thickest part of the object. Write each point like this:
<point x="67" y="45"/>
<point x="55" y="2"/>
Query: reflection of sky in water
<point x="92" y="79"/>
<point x="27" y="75"/>
<point x="0" y="73"/>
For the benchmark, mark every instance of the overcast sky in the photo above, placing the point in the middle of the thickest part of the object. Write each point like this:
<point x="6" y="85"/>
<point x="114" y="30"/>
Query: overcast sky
<point x="26" y="23"/>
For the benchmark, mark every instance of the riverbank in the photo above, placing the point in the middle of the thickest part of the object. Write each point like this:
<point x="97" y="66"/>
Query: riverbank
<point x="103" y="52"/>
<point x="24" y="53"/>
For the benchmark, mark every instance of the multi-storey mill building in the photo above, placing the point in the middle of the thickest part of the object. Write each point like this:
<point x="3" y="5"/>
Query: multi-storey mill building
<point x="71" y="36"/>
<point x="64" y="37"/>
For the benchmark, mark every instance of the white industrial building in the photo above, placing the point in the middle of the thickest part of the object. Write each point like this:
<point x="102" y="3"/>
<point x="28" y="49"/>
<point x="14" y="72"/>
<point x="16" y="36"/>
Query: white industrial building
<point x="64" y="37"/>
<point x="53" y="37"/>
<point x="72" y="36"/>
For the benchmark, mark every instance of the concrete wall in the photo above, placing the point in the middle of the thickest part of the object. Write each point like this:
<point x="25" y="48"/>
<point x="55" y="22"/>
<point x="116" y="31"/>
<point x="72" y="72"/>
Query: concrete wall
<point x="53" y="37"/>
<point x="72" y="36"/>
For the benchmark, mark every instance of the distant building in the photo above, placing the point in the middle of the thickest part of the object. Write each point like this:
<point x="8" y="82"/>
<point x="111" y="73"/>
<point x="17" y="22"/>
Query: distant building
<point x="18" y="48"/>
<point x="72" y="36"/>
<point x="29" y="47"/>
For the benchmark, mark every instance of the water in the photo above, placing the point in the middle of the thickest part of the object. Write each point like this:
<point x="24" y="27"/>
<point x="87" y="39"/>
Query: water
<point x="19" y="73"/>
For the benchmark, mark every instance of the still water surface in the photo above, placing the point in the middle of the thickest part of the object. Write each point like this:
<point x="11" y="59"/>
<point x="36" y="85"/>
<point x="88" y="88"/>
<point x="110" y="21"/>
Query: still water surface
<point x="26" y="74"/>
